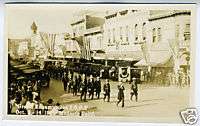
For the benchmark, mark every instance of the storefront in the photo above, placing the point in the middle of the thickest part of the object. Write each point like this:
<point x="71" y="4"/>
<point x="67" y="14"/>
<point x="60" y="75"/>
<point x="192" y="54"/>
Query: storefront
<point x="158" y="69"/>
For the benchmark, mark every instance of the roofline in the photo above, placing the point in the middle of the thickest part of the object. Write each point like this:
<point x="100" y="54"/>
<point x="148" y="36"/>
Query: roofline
<point x="170" y="15"/>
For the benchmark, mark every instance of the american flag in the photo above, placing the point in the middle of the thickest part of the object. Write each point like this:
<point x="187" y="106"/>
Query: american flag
<point x="84" y="46"/>
<point x="86" y="50"/>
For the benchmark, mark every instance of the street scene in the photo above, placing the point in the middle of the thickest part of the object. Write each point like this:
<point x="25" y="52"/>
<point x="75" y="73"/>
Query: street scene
<point x="99" y="61"/>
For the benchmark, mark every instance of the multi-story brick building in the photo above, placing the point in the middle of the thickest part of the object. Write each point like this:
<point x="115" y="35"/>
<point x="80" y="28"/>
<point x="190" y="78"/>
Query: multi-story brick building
<point x="168" y="42"/>
<point x="122" y="30"/>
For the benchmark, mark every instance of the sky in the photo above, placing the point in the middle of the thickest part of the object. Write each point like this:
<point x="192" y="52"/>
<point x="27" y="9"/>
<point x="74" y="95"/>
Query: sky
<point x="49" y="18"/>
<point x="56" y="18"/>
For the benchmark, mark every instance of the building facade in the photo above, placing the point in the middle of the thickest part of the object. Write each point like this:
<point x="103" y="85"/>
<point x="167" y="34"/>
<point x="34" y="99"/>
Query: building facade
<point x="87" y="32"/>
<point x="123" y="30"/>
<point x="168" y="44"/>
<point x="19" y="48"/>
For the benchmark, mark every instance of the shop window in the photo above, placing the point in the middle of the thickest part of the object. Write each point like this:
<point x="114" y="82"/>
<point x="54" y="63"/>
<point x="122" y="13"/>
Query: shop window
<point x="187" y="32"/>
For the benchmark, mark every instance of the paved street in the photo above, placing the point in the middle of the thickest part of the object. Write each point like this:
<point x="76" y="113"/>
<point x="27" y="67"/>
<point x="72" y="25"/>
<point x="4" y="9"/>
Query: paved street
<point x="156" y="102"/>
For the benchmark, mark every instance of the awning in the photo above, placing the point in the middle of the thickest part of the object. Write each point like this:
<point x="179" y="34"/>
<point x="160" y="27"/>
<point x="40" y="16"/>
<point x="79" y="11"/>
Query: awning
<point x="99" y="56"/>
<point x="73" y="55"/>
<point x="127" y="56"/>
<point x="157" y="59"/>
<point x="27" y="71"/>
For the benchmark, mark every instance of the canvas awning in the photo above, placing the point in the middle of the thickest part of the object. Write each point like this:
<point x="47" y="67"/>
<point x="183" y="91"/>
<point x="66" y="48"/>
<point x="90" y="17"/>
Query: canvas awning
<point x="99" y="56"/>
<point x="27" y="71"/>
<point x="157" y="59"/>
<point x="127" y="56"/>
<point x="73" y="55"/>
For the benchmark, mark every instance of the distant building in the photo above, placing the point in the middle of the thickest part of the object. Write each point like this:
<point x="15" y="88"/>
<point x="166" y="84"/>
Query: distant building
<point x="19" y="48"/>
<point x="52" y="45"/>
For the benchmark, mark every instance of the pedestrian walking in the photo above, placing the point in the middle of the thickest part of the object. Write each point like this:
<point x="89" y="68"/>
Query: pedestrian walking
<point x="97" y="87"/>
<point x="121" y="94"/>
<point x="91" y="87"/>
<point x="83" y="88"/>
<point x="65" y="81"/>
<point x="75" y="87"/>
<point x="79" y="82"/>
<point x="134" y="89"/>
<point x="106" y="89"/>
<point x="70" y="85"/>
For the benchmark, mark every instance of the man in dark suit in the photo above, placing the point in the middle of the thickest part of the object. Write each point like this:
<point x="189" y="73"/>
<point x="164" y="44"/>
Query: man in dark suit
<point x="121" y="94"/>
<point x="83" y="88"/>
<point x="91" y="87"/>
<point x="65" y="81"/>
<point x="97" y="87"/>
<point x="106" y="89"/>
<point x="134" y="89"/>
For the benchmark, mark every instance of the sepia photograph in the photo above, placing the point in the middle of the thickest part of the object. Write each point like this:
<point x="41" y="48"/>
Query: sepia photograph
<point x="94" y="62"/>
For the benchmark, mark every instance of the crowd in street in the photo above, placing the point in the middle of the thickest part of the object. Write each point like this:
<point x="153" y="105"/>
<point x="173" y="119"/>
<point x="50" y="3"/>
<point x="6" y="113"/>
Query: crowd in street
<point x="92" y="88"/>
<point x="23" y="95"/>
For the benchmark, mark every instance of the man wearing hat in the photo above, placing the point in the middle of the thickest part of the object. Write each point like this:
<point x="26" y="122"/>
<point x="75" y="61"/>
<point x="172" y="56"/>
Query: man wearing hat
<point x="91" y="87"/>
<point x="97" y="87"/>
<point x="106" y="89"/>
<point x="83" y="88"/>
<point x="134" y="89"/>
<point x="121" y="94"/>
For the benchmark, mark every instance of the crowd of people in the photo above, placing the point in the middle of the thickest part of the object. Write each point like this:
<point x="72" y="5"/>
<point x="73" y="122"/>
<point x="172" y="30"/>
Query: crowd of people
<point x="92" y="87"/>
<point x="80" y="84"/>
<point x="24" y="95"/>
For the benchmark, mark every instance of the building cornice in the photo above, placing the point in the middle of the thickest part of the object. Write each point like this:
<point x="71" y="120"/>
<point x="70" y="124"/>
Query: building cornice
<point x="111" y="16"/>
<point x="78" y="22"/>
<point x="174" y="14"/>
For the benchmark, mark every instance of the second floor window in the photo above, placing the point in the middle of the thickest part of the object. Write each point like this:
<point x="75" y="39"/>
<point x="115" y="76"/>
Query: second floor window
<point x="127" y="33"/>
<point x="159" y="34"/>
<point x="187" y="32"/>
<point x="109" y="37"/>
<point x="136" y="32"/>
<point x="120" y="32"/>
<point x="154" y="35"/>
<point x="177" y="31"/>
<point x="114" y="35"/>
<point x="144" y="31"/>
